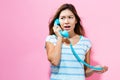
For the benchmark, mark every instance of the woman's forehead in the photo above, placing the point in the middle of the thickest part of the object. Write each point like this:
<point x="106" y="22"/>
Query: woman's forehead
<point x="66" y="12"/>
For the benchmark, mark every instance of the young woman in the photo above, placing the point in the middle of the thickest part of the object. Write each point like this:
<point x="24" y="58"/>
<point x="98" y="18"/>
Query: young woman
<point x="64" y="65"/>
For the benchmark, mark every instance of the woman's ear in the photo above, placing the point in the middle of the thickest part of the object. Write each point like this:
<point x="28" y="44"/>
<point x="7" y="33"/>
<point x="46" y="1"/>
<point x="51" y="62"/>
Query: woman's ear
<point x="75" y="21"/>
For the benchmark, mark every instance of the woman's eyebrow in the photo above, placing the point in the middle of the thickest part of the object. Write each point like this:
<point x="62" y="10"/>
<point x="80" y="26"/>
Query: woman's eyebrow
<point x="67" y="16"/>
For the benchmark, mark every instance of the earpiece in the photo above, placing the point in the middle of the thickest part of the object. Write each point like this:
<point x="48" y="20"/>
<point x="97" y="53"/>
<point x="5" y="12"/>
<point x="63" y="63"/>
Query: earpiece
<point x="56" y="22"/>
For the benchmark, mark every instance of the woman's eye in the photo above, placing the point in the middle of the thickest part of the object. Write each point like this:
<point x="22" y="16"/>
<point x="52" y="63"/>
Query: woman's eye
<point x="62" y="18"/>
<point x="70" y="17"/>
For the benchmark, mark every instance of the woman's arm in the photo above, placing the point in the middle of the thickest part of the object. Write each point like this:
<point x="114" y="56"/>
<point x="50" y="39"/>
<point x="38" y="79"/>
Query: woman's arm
<point x="54" y="51"/>
<point x="88" y="71"/>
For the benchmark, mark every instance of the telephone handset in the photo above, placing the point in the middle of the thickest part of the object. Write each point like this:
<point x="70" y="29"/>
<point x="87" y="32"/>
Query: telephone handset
<point x="63" y="33"/>
<point x="66" y="35"/>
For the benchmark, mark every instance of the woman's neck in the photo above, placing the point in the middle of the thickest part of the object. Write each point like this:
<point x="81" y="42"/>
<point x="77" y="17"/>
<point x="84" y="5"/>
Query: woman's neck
<point x="71" y="35"/>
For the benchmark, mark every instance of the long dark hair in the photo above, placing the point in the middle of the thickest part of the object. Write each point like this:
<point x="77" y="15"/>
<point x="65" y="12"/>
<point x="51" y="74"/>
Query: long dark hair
<point x="78" y="27"/>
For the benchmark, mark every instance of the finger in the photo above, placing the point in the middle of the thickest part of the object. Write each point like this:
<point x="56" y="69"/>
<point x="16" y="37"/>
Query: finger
<point x="105" y="68"/>
<point x="54" y="29"/>
<point x="56" y="25"/>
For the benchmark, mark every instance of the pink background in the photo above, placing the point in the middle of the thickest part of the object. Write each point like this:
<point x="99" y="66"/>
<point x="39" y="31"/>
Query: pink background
<point x="24" y="27"/>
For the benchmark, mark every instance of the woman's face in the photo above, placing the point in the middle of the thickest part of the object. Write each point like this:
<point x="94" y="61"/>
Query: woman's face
<point x="67" y="20"/>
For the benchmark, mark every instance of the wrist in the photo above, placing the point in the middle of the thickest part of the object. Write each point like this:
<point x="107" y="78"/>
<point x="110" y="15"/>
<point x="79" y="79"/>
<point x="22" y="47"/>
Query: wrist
<point x="90" y="71"/>
<point x="59" y="38"/>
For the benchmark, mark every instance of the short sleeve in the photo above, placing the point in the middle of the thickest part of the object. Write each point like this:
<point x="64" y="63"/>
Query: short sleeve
<point x="52" y="39"/>
<point x="87" y="43"/>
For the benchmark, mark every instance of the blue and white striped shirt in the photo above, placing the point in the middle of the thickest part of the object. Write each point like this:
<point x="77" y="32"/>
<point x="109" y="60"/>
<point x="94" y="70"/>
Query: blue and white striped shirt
<point x="69" y="68"/>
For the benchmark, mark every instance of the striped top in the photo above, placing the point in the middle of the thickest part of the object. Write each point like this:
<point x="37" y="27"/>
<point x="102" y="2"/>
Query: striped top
<point x="69" y="68"/>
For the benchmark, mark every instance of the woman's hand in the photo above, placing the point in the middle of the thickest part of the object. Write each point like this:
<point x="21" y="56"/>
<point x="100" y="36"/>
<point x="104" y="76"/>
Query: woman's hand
<point x="56" y="30"/>
<point x="105" y="68"/>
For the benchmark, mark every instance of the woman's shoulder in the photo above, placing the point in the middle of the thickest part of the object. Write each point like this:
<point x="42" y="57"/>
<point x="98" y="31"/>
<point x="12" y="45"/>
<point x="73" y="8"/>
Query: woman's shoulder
<point x="51" y="37"/>
<point x="84" y="38"/>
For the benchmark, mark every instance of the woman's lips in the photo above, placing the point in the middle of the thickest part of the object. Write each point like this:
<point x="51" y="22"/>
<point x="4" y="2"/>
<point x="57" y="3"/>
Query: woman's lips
<point x="66" y="27"/>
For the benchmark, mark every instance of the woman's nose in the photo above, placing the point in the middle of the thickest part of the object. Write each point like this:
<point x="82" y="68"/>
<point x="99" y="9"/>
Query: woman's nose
<point x="66" y="20"/>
